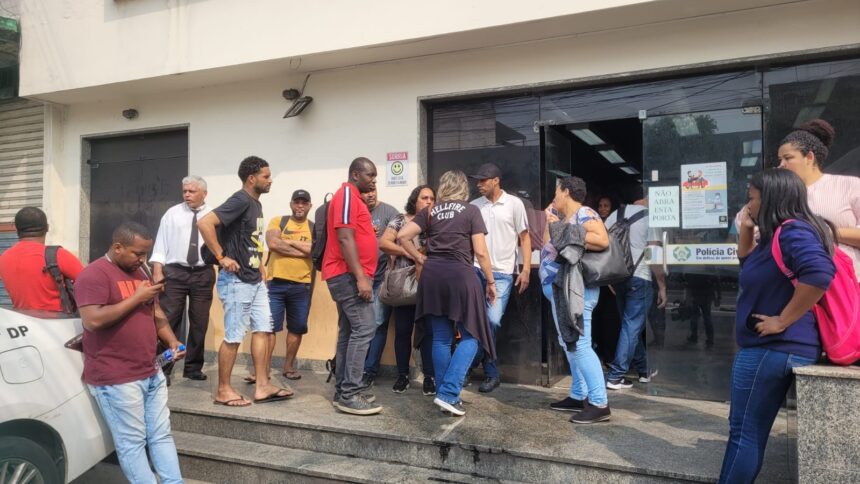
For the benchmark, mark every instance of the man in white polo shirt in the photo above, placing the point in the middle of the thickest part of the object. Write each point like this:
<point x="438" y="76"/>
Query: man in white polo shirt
<point x="507" y="225"/>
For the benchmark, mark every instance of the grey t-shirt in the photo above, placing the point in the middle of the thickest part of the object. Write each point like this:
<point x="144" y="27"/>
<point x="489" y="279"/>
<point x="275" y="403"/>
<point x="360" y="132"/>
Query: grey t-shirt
<point x="381" y="216"/>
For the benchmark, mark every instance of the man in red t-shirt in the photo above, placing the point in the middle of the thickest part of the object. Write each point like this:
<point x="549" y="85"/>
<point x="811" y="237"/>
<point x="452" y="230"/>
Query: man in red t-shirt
<point x="348" y="267"/>
<point x="21" y="266"/>
<point x="122" y="323"/>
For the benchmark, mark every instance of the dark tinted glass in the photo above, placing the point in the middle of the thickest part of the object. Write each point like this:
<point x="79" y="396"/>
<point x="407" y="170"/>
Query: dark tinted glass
<point x="830" y="91"/>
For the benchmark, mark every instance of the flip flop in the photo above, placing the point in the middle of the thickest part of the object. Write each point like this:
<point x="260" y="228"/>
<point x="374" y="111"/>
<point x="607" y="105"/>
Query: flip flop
<point x="250" y="380"/>
<point x="230" y="403"/>
<point x="275" y="397"/>
<point x="292" y="375"/>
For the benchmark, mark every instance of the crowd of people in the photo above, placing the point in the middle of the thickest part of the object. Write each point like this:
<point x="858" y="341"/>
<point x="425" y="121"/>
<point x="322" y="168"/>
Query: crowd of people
<point x="465" y="258"/>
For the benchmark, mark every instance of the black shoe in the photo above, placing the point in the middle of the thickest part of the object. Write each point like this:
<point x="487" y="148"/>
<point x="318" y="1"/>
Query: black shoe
<point x="568" y="405"/>
<point x="490" y="384"/>
<point x="621" y="384"/>
<point x="367" y="380"/>
<point x="197" y="375"/>
<point x="592" y="414"/>
<point x="429" y="386"/>
<point x="401" y="385"/>
<point x="646" y="377"/>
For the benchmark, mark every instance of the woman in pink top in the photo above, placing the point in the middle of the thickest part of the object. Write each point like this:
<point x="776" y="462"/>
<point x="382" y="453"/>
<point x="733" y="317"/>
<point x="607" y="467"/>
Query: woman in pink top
<point x="834" y="197"/>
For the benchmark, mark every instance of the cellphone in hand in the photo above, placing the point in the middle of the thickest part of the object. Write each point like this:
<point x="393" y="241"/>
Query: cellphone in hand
<point x="160" y="281"/>
<point x="553" y="211"/>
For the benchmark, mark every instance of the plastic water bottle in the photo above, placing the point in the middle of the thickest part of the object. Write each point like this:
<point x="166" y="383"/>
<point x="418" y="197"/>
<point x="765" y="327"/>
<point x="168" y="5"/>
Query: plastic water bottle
<point x="166" y="357"/>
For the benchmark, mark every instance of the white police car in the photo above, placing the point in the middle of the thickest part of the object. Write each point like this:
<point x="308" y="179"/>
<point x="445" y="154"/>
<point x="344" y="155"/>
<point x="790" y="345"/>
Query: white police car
<point x="51" y="430"/>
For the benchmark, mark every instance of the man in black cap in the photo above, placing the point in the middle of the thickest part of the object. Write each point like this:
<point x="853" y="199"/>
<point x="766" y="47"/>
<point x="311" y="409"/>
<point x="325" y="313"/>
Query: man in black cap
<point x="23" y="266"/>
<point x="290" y="273"/>
<point x="507" y="226"/>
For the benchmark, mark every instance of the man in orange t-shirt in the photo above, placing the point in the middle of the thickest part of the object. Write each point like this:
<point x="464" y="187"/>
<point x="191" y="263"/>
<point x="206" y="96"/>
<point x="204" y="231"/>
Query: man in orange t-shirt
<point x="22" y="265"/>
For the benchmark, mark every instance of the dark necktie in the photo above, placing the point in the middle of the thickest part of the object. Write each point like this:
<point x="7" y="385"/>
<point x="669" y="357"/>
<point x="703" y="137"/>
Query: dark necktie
<point x="193" y="254"/>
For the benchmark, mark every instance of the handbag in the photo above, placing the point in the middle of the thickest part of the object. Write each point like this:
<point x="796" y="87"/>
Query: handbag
<point x="399" y="287"/>
<point x="613" y="264"/>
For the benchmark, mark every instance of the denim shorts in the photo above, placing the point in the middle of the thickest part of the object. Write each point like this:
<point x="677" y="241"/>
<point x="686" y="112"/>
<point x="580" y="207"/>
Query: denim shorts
<point x="291" y="300"/>
<point x="246" y="306"/>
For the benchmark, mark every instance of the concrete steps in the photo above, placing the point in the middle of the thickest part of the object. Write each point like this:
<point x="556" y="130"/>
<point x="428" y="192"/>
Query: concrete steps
<point x="508" y="436"/>
<point x="219" y="459"/>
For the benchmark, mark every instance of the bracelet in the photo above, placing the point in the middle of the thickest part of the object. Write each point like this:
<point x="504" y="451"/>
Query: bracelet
<point x="219" y="257"/>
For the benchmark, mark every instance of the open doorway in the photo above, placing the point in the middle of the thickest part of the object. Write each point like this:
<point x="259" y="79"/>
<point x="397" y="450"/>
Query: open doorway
<point x="690" y="341"/>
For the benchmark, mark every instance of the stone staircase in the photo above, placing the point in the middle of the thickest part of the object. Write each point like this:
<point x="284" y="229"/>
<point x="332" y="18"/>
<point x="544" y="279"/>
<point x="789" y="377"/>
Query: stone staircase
<point x="509" y="436"/>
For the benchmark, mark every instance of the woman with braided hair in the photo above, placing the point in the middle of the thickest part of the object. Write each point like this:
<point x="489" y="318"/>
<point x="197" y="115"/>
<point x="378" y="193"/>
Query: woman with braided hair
<point x="833" y="197"/>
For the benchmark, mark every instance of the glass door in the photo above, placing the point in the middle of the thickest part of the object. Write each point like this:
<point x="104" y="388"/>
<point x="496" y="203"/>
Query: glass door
<point x="696" y="168"/>
<point x="556" y="162"/>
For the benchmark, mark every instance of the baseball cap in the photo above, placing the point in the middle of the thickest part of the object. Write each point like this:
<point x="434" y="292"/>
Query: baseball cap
<point x="487" y="170"/>
<point x="303" y="194"/>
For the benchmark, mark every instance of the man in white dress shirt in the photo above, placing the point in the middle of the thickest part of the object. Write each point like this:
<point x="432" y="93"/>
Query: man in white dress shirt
<point x="176" y="259"/>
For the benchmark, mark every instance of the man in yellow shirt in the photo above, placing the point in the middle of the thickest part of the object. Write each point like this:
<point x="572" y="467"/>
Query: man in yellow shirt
<point x="290" y="272"/>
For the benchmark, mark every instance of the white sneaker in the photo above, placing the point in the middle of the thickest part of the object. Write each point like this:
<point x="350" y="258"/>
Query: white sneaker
<point x="646" y="377"/>
<point x="455" y="409"/>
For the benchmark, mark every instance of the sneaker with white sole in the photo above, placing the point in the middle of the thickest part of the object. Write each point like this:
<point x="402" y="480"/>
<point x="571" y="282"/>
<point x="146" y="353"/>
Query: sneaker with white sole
<point x="591" y="415"/>
<point x="646" y="377"/>
<point x="401" y="385"/>
<point x="429" y="387"/>
<point x="620" y="384"/>
<point x="357" y="405"/>
<point x="454" y="409"/>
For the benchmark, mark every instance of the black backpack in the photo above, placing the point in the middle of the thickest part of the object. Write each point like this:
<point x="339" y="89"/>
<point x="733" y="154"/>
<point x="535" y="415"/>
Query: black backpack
<point x="620" y="231"/>
<point x="65" y="286"/>
<point x="319" y="233"/>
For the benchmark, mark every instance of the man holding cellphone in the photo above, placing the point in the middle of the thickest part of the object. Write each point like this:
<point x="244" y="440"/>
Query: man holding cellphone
<point x="176" y="260"/>
<point x="122" y="323"/>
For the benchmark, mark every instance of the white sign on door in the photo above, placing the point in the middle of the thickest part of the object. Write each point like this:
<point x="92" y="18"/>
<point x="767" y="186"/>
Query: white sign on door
<point x="663" y="207"/>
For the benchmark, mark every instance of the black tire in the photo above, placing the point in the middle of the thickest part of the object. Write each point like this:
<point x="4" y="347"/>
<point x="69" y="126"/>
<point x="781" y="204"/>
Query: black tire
<point x="16" y="451"/>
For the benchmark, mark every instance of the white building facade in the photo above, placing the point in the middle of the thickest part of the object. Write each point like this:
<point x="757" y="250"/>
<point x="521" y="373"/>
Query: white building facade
<point x="433" y="80"/>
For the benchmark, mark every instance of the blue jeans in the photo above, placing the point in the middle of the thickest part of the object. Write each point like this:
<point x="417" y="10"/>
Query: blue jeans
<point x="136" y="414"/>
<point x="355" y="327"/>
<point x="246" y="306"/>
<point x="760" y="380"/>
<point x="634" y="301"/>
<point x="495" y="313"/>
<point x="382" y="313"/>
<point x="291" y="301"/>
<point x="584" y="364"/>
<point x="451" y="369"/>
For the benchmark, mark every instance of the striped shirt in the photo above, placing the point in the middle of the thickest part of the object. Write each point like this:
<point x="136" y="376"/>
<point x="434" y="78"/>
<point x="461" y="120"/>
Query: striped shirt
<point x="348" y="210"/>
<point x="837" y="199"/>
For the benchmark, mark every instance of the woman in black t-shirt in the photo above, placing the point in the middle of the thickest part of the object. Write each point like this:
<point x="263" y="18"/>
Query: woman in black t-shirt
<point x="421" y="197"/>
<point x="449" y="295"/>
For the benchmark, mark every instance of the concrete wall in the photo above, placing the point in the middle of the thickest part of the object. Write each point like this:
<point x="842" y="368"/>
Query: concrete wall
<point x="373" y="109"/>
<point x="74" y="44"/>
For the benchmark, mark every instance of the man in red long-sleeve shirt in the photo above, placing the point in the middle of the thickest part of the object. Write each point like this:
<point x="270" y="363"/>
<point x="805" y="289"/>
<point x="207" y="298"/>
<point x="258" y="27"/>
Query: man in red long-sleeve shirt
<point x="22" y="265"/>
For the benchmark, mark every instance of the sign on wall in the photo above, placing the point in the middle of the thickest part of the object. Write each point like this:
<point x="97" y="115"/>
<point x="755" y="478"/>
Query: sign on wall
<point x="704" y="196"/>
<point x="695" y="254"/>
<point x="663" y="207"/>
<point x="395" y="173"/>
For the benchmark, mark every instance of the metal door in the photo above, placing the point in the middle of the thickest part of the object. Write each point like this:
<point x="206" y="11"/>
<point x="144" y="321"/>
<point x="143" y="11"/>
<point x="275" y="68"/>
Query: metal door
<point x="137" y="178"/>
